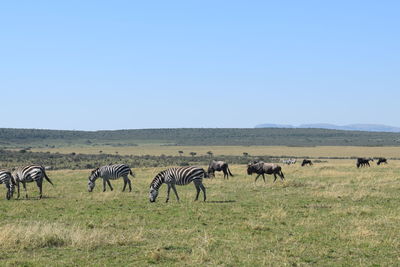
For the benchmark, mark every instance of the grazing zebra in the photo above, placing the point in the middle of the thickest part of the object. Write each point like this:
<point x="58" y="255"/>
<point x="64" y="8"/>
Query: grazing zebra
<point x="306" y="162"/>
<point x="289" y="161"/>
<point x="363" y="162"/>
<point x="178" y="176"/>
<point x="29" y="174"/>
<point x="111" y="172"/>
<point x="262" y="168"/>
<point x="381" y="160"/>
<point x="8" y="181"/>
<point x="219" y="166"/>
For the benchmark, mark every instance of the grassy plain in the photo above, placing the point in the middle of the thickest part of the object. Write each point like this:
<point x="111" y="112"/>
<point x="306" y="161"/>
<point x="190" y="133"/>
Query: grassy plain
<point x="156" y="149"/>
<point x="327" y="214"/>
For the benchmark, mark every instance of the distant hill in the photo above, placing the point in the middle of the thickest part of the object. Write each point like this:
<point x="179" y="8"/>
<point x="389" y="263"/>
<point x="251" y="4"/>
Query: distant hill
<point x="25" y="138"/>
<point x="350" y="127"/>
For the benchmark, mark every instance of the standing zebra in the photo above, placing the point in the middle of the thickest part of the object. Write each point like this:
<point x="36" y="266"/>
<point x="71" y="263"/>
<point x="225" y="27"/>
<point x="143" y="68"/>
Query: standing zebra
<point x="29" y="174"/>
<point x="178" y="176"/>
<point x="111" y="172"/>
<point x="7" y="180"/>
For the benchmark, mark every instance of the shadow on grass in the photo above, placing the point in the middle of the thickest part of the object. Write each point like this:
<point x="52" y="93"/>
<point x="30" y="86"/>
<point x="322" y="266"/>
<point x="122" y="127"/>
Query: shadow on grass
<point x="33" y="198"/>
<point x="222" y="201"/>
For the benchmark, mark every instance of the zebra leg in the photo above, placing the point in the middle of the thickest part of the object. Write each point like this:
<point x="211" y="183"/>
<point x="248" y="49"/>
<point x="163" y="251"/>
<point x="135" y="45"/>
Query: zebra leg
<point x="26" y="193"/>
<point x="109" y="184"/>
<point x="168" y="191"/>
<point x="204" y="191"/>
<point x="104" y="185"/>
<point x="39" y="184"/>
<point x="125" y="182"/>
<point x="176" y="193"/>
<point x="8" y="195"/>
<point x="197" y="186"/>
<point x="17" y="189"/>
<point x="129" y="184"/>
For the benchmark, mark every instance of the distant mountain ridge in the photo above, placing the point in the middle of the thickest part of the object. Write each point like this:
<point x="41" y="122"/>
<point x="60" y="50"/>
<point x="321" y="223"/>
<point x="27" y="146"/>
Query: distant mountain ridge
<point x="349" y="127"/>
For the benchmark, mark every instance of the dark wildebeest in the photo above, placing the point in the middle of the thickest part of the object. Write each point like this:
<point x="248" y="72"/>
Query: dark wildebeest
<point x="306" y="162"/>
<point x="381" y="160"/>
<point x="219" y="166"/>
<point x="362" y="162"/>
<point x="261" y="168"/>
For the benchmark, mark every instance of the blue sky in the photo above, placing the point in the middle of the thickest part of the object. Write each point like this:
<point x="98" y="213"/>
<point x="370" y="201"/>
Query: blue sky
<point x="153" y="64"/>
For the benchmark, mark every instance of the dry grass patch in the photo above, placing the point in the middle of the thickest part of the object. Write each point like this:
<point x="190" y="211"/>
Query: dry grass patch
<point x="45" y="235"/>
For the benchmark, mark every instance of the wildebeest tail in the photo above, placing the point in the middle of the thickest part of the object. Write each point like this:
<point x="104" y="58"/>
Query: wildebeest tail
<point x="47" y="178"/>
<point x="229" y="171"/>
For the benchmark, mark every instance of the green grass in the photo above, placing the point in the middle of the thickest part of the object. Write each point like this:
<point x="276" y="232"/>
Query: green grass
<point x="328" y="214"/>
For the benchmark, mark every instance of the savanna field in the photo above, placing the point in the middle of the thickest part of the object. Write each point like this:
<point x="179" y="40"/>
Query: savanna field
<point x="328" y="214"/>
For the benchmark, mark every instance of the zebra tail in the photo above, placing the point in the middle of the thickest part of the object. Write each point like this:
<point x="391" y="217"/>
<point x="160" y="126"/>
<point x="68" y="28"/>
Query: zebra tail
<point x="131" y="173"/>
<point x="229" y="171"/>
<point x="47" y="178"/>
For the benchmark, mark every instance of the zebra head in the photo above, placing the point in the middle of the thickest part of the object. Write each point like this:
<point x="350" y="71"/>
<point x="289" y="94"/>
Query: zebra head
<point x="92" y="179"/>
<point x="153" y="194"/>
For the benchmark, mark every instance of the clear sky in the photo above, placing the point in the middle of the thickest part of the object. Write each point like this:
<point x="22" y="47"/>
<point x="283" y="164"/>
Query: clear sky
<point x="153" y="64"/>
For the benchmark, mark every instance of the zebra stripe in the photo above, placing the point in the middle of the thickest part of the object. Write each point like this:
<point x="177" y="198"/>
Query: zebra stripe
<point x="28" y="174"/>
<point x="178" y="176"/>
<point x="6" y="179"/>
<point x="110" y="172"/>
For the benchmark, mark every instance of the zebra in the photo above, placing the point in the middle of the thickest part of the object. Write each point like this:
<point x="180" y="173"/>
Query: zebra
<point x="111" y="172"/>
<point x="289" y="161"/>
<point x="178" y="176"/>
<point x="29" y="174"/>
<point x="261" y="168"/>
<point x="219" y="166"/>
<point x="8" y="181"/>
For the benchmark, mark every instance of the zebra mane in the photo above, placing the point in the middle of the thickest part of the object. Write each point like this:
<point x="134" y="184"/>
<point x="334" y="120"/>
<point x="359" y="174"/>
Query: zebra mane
<point x="158" y="180"/>
<point x="91" y="178"/>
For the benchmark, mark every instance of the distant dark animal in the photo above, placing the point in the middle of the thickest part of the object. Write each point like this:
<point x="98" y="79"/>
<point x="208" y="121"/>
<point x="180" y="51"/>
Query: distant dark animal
<point x="219" y="166"/>
<point x="8" y="181"/>
<point x="306" y="162"/>
<point x="261" y="168"/>
<point x="111" y="172"/>
<point x="381" y="160"/>
<point x="363" y="162"/>
<point x="178" y="176"/>
<point x="30" y="173"/>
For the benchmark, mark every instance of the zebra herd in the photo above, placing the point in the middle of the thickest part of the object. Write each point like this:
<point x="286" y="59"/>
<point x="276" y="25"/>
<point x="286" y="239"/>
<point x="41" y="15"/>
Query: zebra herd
<point x="171" y="177"/>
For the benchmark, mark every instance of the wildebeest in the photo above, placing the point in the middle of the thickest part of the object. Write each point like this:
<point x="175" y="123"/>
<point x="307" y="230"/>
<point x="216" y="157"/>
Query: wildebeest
<point x="362" y="162"/>
<point x="261" y="168"/>
<point x="381" y="160"/>
<point x="219" y="166"/>
<point x="306" y="162"/>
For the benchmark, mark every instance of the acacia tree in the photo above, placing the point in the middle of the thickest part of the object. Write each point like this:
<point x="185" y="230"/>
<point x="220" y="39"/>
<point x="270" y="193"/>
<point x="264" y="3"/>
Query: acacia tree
<point x="193" y="154"/>
<point x="180" y="153"/>
<point x="210" y="154"/>
<point x="245" y="154"/>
